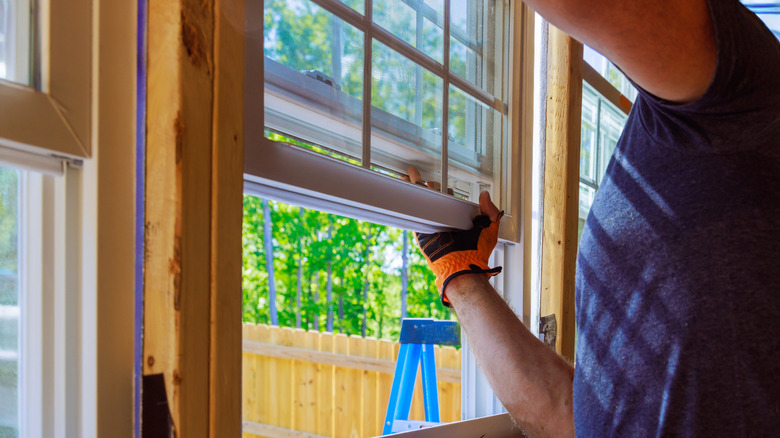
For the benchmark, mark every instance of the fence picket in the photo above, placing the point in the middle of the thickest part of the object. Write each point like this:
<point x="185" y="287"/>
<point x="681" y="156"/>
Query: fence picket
<point x="249" y="379"/>
<point x="343" y="414"/>
<point x="283" y="379"/>
<point x="371" y="421"/>
<point x="296" y="395"/>
<point x="386" y="351"/>
<point x="449" y="400"/>
<point x="326" y="393"/>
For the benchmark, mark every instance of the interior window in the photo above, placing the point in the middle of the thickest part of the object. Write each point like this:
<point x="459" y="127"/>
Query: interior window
<point x="435" y="82"/>
<point x="9" y="303"/>
<point x="15" y="40"/>
<point x="601" y="127"/>
<point x="610" y="72"/>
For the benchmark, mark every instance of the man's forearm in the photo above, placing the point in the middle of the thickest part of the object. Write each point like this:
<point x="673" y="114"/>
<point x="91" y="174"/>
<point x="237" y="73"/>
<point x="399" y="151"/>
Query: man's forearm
<point x="532" y="381"/>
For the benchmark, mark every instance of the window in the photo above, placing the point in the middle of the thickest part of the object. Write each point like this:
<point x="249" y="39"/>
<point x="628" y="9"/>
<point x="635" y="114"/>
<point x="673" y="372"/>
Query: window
<point x="353" y="93"/>
<point x="610" y="72"/>
<point x="46" y="51"/>
<point x="15" y="40"/>
<point x="45" y="130"/>
<point x="603" y="119"/>
<point x="402" y="81"/>
<point x="9" y="303"/>
<point x="408" y="83"/>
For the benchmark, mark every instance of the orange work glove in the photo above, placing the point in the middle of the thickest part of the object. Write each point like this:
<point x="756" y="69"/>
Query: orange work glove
<point x="455" y="253"/>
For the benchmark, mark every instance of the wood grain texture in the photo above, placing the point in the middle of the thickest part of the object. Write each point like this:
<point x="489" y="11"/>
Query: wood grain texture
<point x="178" y="185"/>
<point x="192" y="265"/>
<point x="227" y="163"/>
<point x="561" y="185"/>
<point x="372" y="423"/>
<point x="326" y="389"/>
<point x="340" y="359"/>
<point x="336" y="387"/>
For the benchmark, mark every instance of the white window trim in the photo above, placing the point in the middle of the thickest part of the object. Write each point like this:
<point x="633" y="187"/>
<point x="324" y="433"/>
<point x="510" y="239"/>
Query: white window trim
<point x="83" y="382"/>
<point x="51" y="391"/>
<point x="52" y="118"/>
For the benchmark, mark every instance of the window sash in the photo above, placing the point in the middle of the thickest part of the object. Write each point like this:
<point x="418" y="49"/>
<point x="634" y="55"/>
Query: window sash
<point x="258" y="100"/>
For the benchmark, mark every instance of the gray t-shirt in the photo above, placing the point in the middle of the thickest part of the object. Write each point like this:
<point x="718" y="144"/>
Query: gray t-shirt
<point x="678" y="274"/>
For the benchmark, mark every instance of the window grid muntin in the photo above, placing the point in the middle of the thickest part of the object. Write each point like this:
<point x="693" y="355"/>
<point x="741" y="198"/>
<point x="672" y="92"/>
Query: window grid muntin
<point x="363" y="23"/>
<point x="373" y="31"/>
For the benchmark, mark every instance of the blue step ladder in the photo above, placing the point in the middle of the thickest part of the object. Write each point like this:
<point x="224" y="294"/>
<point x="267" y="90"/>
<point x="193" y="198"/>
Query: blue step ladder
<point x="418" y="336"/>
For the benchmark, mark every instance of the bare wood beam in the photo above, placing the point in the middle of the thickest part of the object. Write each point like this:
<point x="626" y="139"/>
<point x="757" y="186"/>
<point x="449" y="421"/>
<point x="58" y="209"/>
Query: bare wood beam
<point x="177" y="262"/>
<point x="561" y="185"/>
<point x="226" y="220"/>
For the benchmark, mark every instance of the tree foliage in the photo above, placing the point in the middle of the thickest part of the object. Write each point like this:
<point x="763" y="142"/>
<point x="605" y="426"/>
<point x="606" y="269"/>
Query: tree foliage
<point x="359" y="253"/>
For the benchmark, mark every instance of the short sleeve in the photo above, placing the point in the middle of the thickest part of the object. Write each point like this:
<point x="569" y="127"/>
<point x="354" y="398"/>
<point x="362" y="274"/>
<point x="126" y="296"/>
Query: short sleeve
<point x="740" y="110"/>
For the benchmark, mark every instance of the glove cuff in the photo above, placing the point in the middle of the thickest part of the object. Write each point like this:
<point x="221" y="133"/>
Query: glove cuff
<point x="457" y="264"/>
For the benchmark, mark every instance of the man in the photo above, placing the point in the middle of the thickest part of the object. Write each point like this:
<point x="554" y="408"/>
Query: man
<point x="678" y="273"/>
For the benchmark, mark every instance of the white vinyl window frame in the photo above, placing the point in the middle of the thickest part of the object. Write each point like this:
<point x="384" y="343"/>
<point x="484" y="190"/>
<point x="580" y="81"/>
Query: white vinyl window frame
<point x="48" y="122"/>
<point x="277" y="171"/>
<point x="51" y="388"/>
<point x="45" y="132"/>
<point x="273" y="169"/>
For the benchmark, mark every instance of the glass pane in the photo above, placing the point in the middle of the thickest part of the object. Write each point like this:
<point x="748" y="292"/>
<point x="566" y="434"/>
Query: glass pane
<point x="406" y="114"/>
<point x="313" y="76"/>
<point x="9" y="303"/>
<point x="590" y="108"/>
<point x="358" y="5"/>
<point x="478" y="32"/>
<point x="15" y="40"/>
<point x="610" y="72"/>
<point x="475" y="146"/>
<point x="611" y="122"/>
<point x="415" y="22"/>
<point x="587" y="194"/>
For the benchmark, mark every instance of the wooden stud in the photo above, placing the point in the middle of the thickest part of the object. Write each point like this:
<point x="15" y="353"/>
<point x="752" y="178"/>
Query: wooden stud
<point x="561" y="185"/>
<point x="227" y="185"/>
<point x="194" y="184"/>
<point x="178" y="187"/>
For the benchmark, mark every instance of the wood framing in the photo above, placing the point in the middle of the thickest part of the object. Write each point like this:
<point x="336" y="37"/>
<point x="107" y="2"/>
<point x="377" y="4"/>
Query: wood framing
<point x="561" y="185"/>
<point x="226" y="219"/>
<point x="192" y="238"/>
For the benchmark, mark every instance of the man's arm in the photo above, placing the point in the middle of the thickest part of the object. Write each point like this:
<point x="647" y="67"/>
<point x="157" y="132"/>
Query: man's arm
<point x="531" y="380"/>
<point x="666" y="46"/>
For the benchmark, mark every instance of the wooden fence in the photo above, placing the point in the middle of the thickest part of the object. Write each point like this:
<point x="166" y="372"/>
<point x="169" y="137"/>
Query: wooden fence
<point x="310" y="384"/>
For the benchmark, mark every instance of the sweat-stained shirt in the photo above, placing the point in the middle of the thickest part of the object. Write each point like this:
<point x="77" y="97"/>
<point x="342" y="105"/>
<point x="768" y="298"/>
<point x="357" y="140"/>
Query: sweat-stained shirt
<point x="678" y="272"/>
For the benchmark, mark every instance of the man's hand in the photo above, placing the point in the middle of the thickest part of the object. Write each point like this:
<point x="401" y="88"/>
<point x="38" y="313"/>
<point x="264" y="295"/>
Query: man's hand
<point x="452" y="254"/>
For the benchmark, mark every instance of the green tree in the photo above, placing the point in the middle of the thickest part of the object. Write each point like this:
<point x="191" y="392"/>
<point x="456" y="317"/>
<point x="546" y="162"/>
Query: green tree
<point x="359" y="263"/>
